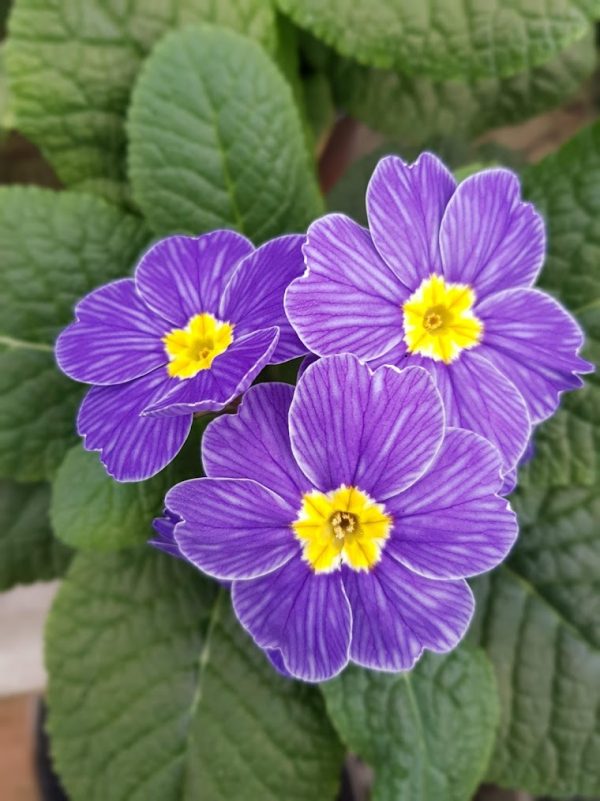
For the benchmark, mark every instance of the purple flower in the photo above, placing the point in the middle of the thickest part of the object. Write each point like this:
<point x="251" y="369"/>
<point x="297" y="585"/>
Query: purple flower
<point x="346" y="516"/>
<point x="188" y="334"/>
<point x="443" y="279"/>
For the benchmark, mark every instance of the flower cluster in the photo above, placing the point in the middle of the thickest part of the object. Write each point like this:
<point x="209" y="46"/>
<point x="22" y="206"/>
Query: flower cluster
<point x="346" y="512"/>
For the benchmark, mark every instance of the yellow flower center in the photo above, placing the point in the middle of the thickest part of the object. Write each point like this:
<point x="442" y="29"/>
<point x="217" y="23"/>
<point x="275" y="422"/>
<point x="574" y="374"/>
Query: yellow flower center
<point x="342" y="526"/>
<point x="439" y="321"/>
<point x="195" y="347"/>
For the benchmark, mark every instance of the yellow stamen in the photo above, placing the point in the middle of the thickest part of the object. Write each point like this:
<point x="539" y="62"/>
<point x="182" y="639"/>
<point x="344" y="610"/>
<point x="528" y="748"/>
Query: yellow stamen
<point x="194" y="348"/>
<point x="343" y="526"/>
<point x="439" y="321"/>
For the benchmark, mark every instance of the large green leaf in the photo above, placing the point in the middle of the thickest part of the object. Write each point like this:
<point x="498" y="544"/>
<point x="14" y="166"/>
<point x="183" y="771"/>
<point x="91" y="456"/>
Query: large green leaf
<point x="54" y="248"/>
<point x="417" y="109"/>
<point x="538" y="616"/>
<point x="427" y="733"/>
<point x="28" y="550"/>
<point x="446" y="38"/>
<point x="72" y="64"/>
<point x="225" y="147"/>
<point x="156" y="692"/>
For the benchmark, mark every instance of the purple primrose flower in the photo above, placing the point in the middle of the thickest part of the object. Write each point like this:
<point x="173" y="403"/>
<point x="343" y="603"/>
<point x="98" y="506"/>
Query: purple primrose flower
<point x="443" y="279"/>
<point x="188" y="334"/>
<point x="347" y="516"/>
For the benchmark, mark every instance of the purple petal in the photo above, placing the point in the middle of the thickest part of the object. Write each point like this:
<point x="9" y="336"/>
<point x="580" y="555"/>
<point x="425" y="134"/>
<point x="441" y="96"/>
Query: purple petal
<point x="132" y="448"/>
<point x="230" y="374"/>
<point x="181" y="276"/>
<point x="349" y="299"/>
<point x="450" y="523"/>
<point x="232" y="528"/>
<point x="530" y="338"/>
<point x="115" y="338"/>
<point x="255" y="443"/>
<point x="489" y="238"/>
<point x="375" y="431"/>
<point x="303" y="614"/>
<point x="405" y="205"/>
<point x="276" y="659"/>
<point x="253" y="298"/>
<point x="164" y="540"/>
<point x="397" y="613"/>
<point x="480" y="398"/>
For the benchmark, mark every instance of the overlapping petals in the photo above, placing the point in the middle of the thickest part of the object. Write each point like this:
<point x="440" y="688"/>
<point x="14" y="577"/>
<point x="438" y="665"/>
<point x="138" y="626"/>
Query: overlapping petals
<point x="383" y="433"/>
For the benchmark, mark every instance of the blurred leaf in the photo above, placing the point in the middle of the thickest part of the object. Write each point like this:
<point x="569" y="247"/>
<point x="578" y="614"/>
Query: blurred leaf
<point x="55" y="247"/>
<point x="428" y="733"/>
<point x="72" y="64"/>
<point x="28" y="550"/>
<point x="157" y="694"/>
<point x="225" y="147"/>
<point x="446" y="39"/>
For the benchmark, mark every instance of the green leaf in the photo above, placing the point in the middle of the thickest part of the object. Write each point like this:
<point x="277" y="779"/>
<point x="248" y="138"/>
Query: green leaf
<point x="446" y="38"/>
<point x="72" y="64"/>
<point x="54" y="248"/>
<point x="156" y="692"/>
<point x="538" y="616"/>
<point x="417" y="109"/>
<point x="28" y="550"/>
<point x="225" y="147"/>
<point x="427" y="733"/>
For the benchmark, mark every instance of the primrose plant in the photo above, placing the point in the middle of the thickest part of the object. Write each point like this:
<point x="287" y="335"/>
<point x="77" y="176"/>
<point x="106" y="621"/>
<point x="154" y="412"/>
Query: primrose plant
<point x="305" y="437"/>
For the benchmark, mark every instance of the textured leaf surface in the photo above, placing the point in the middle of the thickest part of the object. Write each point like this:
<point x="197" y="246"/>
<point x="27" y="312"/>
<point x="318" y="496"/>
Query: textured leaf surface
<point x="446" y="38"/>
<point x="427" y="733"/>
<point x="28" y="550"/>
<point x="157" y="693"/>
<point x="417" y="109"/>
<point x="72" y="64"/>
<point x="225" y="147"/>
<point x="54" y="248"/>
<point x="538" y="616"/>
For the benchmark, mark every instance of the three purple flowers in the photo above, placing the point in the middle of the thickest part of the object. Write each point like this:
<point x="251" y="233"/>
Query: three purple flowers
<point x="347" y="513"/>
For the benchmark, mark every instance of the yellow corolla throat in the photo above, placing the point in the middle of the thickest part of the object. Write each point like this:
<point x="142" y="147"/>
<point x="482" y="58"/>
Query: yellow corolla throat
<point x="344" y="526"/>
<point x="195" y="347"/>
<point x="439" y="321"/>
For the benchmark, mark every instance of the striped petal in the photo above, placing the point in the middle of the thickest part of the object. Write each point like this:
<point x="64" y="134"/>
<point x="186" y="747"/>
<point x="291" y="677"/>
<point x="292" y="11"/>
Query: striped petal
<point x="348" y="300"/>
<point x="115" y="338"/>
<point x="132" y="448"/>
<point x="451" y="523"/>
<point x="232" y="528"/>
<point x="306" y="616"/>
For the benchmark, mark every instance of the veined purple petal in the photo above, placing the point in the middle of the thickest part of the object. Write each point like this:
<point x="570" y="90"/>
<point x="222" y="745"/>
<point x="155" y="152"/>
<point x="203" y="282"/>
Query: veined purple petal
<point x="255" y="443"/>
<point x="305" y="615"/>
<point x="115" y="338"/>
<point x="489" y="237"/>
<point x="348" y="299"/>
<point x="132" y="448"/>
<point x="232" y="528"/>
<point x="230" y="374"/>
<point x="480" y="398"/>
<point x="451" y="523"/>
<point x="531" y="339"/>
<point x="405" y="205"/>
<point x="397" y="613"/>
<point x="181" y="276"/>
<point x="276" y="659"/>
<point x="164" y="539"/>
<point x="253" y="298"/>
<point x="375" y="431"/>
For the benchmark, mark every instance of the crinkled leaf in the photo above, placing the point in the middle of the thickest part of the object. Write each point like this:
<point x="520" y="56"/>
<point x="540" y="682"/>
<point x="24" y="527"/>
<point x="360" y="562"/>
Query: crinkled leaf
<point x="446" y="38"/>
<point x="54" y="248"/>
<point x="538" y="616"/>
<point x="427" y="733"/>
<point x="417" y="109"/>
<point x="28" y="550"/>
<point x="225" y="147"/>
<point x="156" y="693"/>
<point x="72" y="64"/>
